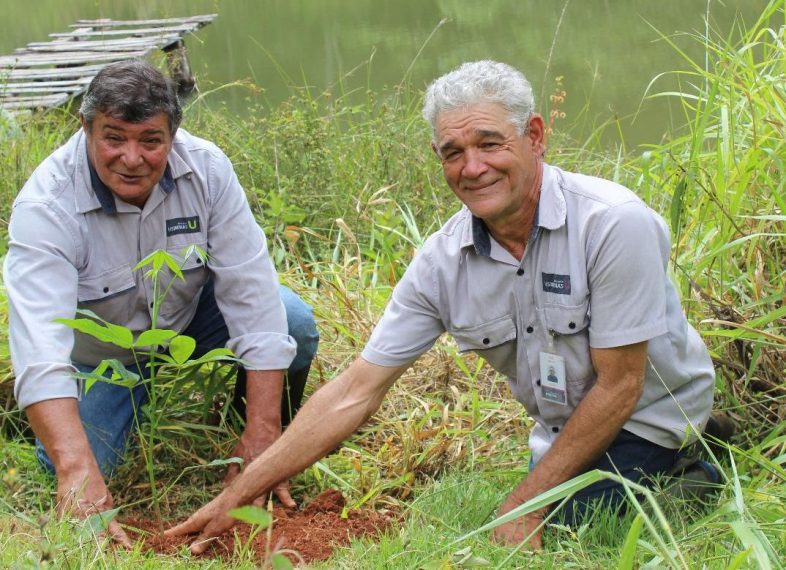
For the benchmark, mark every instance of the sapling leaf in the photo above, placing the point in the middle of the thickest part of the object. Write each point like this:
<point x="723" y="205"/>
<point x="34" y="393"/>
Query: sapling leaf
<point x="174" y="266"/>
<point x="181" y="348"/>
<point x="252" y="515"/>
<point x="166" y="358"/>
<point x="213" y="356"/>
<point x="155" y="337"/>
<point x="88" y="327"/>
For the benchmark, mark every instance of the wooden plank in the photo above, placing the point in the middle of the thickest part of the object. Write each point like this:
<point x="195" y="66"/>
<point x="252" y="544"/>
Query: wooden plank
<point x="67" y="84"/>
<point x="67" y="58"/>
<point x="122" y="32"/>
<point x="52" y="72"/>
<point x="118" y="44"/>
<point x="201" y="19"/>
<point x="9" y="89"/>
<point x="34" y="102"/>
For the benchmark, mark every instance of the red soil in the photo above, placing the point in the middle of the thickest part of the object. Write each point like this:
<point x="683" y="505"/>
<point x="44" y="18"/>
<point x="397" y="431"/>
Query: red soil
<point x="311" y="532"/>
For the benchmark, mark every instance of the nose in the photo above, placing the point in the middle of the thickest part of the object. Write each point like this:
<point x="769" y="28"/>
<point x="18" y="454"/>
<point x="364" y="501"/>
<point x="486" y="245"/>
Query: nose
<point x="474" y="163"/>
<point x="132" y="155"/>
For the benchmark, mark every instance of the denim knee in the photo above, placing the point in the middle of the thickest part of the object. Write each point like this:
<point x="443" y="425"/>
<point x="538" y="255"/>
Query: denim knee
<point x="302" y="327"/>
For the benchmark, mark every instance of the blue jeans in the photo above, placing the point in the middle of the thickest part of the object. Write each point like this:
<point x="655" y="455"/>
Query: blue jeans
<point x="636" y="459"/>
<point x="110" y="412"/>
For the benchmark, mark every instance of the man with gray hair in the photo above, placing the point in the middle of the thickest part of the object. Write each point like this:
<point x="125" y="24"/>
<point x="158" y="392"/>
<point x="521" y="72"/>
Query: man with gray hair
<point x="129" y="183"/>
<point x="558" y="280"/>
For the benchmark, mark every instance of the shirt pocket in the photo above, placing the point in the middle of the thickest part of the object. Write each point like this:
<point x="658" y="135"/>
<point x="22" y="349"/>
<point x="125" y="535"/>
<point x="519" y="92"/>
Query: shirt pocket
<point x="493" y="340"/>
<point x="569" y="325"/>
<point x="107" y="293"/>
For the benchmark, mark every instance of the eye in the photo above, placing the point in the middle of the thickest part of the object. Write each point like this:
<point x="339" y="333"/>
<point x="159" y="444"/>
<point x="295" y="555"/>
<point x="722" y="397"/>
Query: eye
<point x="451" y="155"/>
<point x="489" y="145"/>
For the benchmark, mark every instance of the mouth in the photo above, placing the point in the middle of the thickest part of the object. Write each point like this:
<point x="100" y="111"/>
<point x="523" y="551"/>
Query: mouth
<point x="129" y="178"/>
<point x="478" y="187"/>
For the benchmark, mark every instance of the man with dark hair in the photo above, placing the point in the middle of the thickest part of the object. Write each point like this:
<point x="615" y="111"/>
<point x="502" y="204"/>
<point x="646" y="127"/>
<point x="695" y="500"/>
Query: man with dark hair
<point x="558" y="280"/>
<point x="128" y="183"/>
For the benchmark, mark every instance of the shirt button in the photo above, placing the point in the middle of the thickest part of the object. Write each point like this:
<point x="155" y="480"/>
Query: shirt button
<point x="486" y="341"/>
<point x="520" y="271"/>
<point x="530" y="329"/>
<point x="555" y="429"/>
<point x="106" y="289"/>
<point x="571" y="325"/>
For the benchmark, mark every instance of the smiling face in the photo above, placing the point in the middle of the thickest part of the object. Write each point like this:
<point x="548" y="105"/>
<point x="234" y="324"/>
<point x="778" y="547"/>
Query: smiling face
<point x="490" y="167"/>
<point x="130" y="158"/>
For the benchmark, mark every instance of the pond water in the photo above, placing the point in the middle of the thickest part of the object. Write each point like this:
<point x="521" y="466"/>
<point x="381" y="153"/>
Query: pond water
<point x="606" y="51"/>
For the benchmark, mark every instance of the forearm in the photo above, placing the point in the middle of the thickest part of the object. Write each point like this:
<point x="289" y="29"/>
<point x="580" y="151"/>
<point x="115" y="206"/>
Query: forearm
<point x="56" y="423"/>
<point x="264" y="389"/>
<point x="584" y="438"/>
<point x="594" y="423"/>
<point x="329" y="416"/>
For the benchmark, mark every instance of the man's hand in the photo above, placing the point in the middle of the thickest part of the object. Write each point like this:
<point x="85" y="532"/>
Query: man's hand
<point x="253" y="442"/>
<point x="83" y="493"/>
<point x="512" y="533"/>
<point x="81" y="490"/>
<point x="210" y="521"/>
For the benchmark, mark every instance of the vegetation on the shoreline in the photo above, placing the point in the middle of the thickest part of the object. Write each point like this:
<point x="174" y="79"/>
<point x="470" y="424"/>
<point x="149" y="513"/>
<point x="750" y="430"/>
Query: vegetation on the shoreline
<point x="346" y="195"/>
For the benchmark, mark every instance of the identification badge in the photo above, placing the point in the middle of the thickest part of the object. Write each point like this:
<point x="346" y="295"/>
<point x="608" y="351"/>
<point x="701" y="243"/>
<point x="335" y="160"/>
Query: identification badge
<point x="553" y="387"/>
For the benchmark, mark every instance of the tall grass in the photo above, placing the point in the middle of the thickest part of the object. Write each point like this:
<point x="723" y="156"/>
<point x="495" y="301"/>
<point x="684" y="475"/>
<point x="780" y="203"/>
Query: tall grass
<point x="347" y="194"/>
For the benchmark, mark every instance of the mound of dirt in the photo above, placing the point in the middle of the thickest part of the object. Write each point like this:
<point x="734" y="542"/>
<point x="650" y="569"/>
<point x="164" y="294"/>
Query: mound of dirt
<point x="312" y="532"/>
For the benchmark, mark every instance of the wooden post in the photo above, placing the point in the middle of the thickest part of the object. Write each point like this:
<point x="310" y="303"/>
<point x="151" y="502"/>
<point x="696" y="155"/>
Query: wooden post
<point x="179" y="69"/>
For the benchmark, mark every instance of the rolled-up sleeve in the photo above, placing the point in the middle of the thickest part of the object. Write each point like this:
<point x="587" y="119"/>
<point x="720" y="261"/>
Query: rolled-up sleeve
<point x="411" y="323"/>
<point x="246" y="284"/>
<point x="41" y="283"/>
<point x="627" y="277"/>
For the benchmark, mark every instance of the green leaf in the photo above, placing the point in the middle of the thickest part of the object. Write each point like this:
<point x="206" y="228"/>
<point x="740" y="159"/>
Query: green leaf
<point x="676" y="204"/>
<point x="155" y="337"/>
<point x="99" y="329"/>
<point x="252" y="515"/>
<point x="628" y="554"/>
<point x="217" y="354"/>
<point x="280" y="562"/>
<point x="99" y="522"/>
<point x="739" y="560"/>
<point x="181" y="348"/>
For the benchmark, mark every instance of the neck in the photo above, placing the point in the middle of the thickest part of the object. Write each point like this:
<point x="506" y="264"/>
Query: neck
<point x="513" y="233"/>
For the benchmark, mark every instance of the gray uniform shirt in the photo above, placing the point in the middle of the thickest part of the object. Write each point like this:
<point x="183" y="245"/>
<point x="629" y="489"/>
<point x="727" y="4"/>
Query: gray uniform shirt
<point x="73" y="245"/>
<point x="594" y="274"/>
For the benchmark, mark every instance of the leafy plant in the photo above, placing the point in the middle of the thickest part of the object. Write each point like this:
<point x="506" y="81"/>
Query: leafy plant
<point x="159" y="350"/>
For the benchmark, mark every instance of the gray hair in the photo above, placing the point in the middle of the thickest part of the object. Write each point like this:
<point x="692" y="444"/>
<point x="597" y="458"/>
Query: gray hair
<point x="483" y="81"/>
<point x="132" y="91"/>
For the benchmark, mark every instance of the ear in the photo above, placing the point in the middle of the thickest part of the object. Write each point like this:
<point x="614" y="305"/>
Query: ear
<point x="436" y="151"/>
<point x="536" y="131"/>
<point x="85" y="127"/>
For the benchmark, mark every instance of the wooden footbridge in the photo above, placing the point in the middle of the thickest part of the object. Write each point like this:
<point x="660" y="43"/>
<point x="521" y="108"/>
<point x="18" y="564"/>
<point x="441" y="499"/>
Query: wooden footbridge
<point x="48" y="74"/>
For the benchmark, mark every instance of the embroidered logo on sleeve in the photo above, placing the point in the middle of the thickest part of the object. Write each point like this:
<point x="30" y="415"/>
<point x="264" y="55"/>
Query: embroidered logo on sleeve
<point x="553" y="283"/>
<point x="182" y="226"/>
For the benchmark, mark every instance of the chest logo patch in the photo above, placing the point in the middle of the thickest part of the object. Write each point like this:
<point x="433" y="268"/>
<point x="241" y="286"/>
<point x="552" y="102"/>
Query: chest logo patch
<point x="553" y="283"/>
<point x="182" y="226"/>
